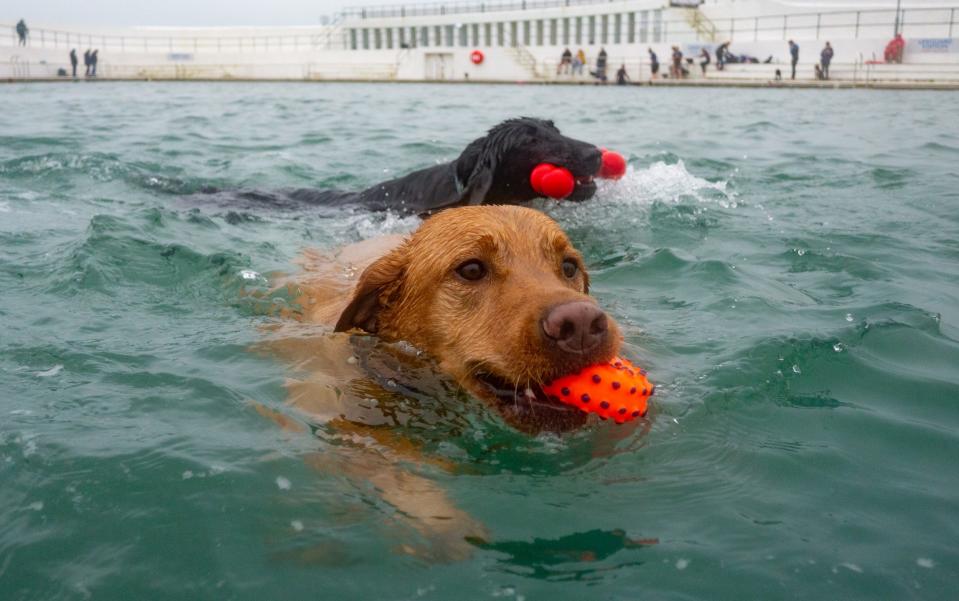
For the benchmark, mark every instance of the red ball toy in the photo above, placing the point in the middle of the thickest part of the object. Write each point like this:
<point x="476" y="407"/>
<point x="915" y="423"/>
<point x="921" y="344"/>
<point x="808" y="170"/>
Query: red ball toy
<point x="614" y="165"/>
<point x="617" y="390"/>
<point x="552" y="181"/>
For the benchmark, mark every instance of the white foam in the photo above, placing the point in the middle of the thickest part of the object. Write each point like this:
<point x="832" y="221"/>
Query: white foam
<point x="283" y="483"/>
<point x="664" y="182"/>
<point x="50" y="372"/>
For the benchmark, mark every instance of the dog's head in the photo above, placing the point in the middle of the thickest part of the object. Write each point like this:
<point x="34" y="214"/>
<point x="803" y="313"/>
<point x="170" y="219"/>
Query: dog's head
<point x="498" y="296"/>
<point x="497" y="167"/>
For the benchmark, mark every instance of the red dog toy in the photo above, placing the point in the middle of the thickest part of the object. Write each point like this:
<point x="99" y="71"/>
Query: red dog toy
<point x="557" y="182"/>
<point x="552" y="181"/>
<point x="616" y="390"/>
<point x="614" y="165"/>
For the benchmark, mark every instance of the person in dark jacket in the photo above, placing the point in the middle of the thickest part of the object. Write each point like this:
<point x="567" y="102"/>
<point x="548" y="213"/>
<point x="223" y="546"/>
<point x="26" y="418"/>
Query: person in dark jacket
<point x="621" y="76"/>
<point x="22" y="31"/>
<point x="825" y="57"/>
<point x="653" y="64"/>
<point x="794" y="54"/>
<point x="73" y="61"/>
<point x="676" y="70"/>
<point x="704" y="54"/>
<point x="93" y="63"/>
<point x="601" y="65"/>
<point x="86" y="62"/>
<point x="721" y="53"/>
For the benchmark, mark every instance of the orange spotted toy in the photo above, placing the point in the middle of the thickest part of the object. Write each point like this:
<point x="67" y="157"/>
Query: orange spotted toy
<point x="616" y="390"/>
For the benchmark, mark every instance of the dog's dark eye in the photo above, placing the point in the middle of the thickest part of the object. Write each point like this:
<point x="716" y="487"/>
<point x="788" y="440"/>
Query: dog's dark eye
<point x="472" y="270"/>
<point x="570" y="268"/>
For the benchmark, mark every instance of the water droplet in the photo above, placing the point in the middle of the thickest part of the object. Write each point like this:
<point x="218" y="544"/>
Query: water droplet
<point x="838" y="347"/>
<point x="283" y="483"/>
<point x="925" y="562"/>
<point x="682" y="564"/>
<point x="796" y="369"/>
<point x="187" y="475"/>
<point x="848" y="316"/>
<point x="249" y="274"/>
<point x="297" y="525"/>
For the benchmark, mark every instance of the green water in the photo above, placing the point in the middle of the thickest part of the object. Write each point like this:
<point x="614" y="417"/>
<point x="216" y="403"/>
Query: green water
<point x="785" y="264"/>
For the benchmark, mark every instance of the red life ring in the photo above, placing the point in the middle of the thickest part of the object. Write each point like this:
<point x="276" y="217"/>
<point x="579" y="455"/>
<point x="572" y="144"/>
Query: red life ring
<point x="477" y="57"/>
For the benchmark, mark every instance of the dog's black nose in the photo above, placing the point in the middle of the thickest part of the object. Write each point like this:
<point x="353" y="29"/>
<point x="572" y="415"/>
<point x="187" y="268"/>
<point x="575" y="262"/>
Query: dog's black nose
<point x="577" y="327"/>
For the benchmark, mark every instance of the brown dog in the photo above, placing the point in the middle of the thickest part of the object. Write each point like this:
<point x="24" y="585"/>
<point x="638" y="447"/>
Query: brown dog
<point x="496" y="295"/>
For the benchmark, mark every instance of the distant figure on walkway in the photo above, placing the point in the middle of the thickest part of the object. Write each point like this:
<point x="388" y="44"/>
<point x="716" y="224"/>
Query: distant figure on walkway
<point x="565" y="62"/>
<point x="794" y="54"/>
<point x="676" y="70"/>
<point x="600" y="73"/>
<point x="22" y="32"/>
<point x="73" y="61"/>
<point x="93" y="63"/>
<point x="894" y="49"/>
<point x="704" y="54"/>
<point x="86" y="62"/>
<point x="825" y="57"/>
<point x="653" y="64"/>
<point x="621" y="76"/>
<point x="721" y="52"/>
<point x="579" y="62"/>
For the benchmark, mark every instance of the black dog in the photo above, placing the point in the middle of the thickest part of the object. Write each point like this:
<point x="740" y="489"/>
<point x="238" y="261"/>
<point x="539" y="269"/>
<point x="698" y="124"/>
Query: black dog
<point x="494" y="169"/>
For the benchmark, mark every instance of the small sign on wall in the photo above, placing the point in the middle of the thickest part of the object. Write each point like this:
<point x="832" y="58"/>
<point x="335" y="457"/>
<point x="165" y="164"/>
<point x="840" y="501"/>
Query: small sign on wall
<point x="932" y="45"/>
<point x="179" y="57"/>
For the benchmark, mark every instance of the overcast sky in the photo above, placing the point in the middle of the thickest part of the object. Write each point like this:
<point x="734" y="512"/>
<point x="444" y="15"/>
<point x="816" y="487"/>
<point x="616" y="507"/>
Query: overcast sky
<point x="175" y="12"/>
<point x="229" y="12"/>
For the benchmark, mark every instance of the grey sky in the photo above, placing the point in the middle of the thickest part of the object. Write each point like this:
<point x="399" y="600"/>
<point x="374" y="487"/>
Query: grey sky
<point x="175" y="12"/>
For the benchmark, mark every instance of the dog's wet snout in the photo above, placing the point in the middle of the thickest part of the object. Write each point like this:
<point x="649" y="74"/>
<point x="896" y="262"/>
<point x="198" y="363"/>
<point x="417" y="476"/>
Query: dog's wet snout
<point x="576" y="327"/>
<point x="594" y="158"/>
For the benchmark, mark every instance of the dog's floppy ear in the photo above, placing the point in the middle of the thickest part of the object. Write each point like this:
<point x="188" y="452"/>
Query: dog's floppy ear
<point x="474" y="170"/>
<point x="378" y="288"/>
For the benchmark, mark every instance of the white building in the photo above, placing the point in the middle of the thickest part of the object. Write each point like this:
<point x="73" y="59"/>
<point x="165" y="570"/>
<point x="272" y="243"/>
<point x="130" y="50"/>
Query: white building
<point x="517" y="40"/>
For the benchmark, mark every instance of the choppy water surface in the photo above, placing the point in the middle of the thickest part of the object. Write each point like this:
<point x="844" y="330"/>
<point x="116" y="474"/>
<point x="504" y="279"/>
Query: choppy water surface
<point x="785" y="264"/>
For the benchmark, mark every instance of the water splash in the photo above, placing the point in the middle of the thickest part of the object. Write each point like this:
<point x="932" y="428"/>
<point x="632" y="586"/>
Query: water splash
<point x="666" y="182"/>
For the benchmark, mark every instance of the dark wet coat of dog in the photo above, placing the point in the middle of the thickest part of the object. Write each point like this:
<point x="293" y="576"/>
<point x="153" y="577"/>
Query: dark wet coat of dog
<point x="493" y="169"/>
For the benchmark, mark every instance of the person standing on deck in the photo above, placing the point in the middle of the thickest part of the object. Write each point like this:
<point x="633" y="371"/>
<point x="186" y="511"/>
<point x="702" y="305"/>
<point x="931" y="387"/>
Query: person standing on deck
<point x="825" y="57"/>
<point x="581" y="57"/>
<point x="676" y="71"/>
<point x="93" y="63"/>
<point x="794" y="54"/>
<point x="601" y="65"/>
<point x="73" y="62"/>
<point x="565" y="61"/>
<point x="704" y="54"/>
<point x="721" y="56"/>
<point x="621" y="76"/>
<point x="653" y="64"/>
<point x="22" y="31"/>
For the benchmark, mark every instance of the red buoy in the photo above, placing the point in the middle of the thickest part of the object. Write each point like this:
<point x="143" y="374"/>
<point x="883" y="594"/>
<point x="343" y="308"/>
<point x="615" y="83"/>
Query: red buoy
<point x="477" y="57"/>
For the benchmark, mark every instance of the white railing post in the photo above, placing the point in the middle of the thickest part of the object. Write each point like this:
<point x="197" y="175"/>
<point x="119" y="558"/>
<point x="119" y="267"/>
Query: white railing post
<point x="785" y="18"/>
<point x="756" y="30"/>
<point x="952" y="18"/>
<point x="857" y="25"/>
<point x="818" y="21"/>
